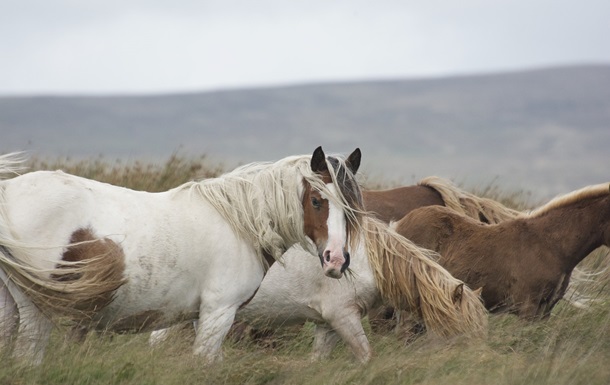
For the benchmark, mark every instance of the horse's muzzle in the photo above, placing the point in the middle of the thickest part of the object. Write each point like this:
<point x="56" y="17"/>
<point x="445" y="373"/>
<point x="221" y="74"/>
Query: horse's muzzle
<point x="334" y="267"/>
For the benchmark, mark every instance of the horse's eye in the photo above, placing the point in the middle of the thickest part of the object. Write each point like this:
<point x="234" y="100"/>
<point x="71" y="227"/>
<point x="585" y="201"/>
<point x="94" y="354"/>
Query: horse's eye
<point x="317" y="204"/>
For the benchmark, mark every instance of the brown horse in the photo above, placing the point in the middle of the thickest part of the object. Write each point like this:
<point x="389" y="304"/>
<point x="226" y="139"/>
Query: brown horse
<point x="524" y="264"/>
<point x="393" y="204"/>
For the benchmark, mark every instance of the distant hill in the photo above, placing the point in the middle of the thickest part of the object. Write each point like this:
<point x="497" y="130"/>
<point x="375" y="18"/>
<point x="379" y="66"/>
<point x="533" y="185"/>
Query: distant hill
<point x="546" y="131"/>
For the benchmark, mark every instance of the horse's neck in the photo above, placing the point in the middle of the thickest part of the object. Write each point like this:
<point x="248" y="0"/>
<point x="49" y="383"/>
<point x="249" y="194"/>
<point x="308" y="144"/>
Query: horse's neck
<point x="575" y="230"/>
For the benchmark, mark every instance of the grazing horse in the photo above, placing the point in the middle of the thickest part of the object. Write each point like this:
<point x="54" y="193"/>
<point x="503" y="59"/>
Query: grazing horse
<point x="393" y="204"/>
<point x="385" y="268"/>
<point x="110" y="258"/>
<point x="523" y="265"/>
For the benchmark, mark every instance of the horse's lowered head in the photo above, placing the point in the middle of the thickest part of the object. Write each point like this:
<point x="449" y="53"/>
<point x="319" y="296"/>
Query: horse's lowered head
<point x="331" y="215"/>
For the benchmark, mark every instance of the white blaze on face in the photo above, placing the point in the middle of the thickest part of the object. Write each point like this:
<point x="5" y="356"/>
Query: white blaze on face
<point x="337" y="237"/>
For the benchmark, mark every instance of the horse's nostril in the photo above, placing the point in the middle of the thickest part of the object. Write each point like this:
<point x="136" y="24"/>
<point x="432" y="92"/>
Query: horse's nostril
<point x="346" y="264"/>
<point x="327" y="255"/>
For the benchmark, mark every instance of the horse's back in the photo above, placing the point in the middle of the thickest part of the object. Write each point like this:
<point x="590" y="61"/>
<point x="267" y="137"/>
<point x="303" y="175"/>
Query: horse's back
<point x="393" y="204"/>
<point x="286" y="292"/>
<point x="49" y="206"/>
<point x="427" y="227"/>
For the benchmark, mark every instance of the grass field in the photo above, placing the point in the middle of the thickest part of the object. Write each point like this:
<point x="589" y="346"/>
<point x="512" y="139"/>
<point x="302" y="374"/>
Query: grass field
<point x="572" y="347"/>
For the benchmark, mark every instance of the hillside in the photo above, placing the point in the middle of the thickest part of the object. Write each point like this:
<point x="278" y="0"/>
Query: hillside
<point x="546" y="131"/>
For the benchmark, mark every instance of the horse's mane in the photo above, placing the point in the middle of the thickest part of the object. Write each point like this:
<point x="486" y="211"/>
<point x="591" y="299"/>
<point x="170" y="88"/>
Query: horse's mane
<point x="409" y="278"/>
<point x="588" y="192"/>
<point x="469" y="204"/>
<point x="11" y="164"/>
<point x="263" y="201"/>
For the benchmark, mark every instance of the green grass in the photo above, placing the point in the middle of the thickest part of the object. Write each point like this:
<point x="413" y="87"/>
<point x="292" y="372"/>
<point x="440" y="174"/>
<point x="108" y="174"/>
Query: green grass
<point x="572" y="347"/>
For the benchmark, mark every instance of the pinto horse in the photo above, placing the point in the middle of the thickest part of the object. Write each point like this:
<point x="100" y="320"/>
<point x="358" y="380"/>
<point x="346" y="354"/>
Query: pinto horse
<point x="523" y="265"/>
<point x="115" y="259"/>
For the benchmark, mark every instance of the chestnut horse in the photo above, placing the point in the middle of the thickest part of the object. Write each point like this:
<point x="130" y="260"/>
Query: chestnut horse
<point x="524" y="264"/>
<point x="393" y="204"/>
<point x="116" y="259"/>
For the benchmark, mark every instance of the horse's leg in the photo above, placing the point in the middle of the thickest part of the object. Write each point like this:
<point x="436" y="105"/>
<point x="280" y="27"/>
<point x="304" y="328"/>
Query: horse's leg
<point x="324" y="341"/>
<point x="349" y="327"/>
<point x="34" y="331"/>
<point x="213" y="326"/>
<point x="8" y="317"/>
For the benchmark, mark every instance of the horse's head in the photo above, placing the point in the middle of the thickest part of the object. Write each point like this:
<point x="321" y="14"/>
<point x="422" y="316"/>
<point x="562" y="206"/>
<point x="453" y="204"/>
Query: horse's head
<point x="329" y="214"/>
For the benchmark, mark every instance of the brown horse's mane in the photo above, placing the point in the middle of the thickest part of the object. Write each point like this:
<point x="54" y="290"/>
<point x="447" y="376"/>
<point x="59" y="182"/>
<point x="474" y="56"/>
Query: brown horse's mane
<point x="589" y="192"/>
<point x="482" y="209"/>
<point x="409" y="278"/>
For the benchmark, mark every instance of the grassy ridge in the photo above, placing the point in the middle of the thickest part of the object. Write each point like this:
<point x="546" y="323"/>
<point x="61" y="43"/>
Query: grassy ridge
<point x="573" y="347"/>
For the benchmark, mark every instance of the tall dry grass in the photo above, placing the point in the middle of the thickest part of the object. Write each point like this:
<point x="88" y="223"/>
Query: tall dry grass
<point x="137" y="175"/>
<point x="572" y="347"/>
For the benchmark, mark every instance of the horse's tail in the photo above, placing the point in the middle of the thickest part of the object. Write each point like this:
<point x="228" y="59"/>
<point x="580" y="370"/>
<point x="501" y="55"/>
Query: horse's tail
<point x="482" y="209"/>
<point x="76" y="288"/>
<point x="409" y="279"/>
<point x="581" y="279"/>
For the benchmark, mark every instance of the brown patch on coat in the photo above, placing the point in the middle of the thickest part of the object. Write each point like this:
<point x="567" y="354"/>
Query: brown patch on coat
<point x="96" y="263"/>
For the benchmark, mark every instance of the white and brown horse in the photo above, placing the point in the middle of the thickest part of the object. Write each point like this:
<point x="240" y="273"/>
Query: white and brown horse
<point x="524" y="264"/>
<point x="123" y="260"/>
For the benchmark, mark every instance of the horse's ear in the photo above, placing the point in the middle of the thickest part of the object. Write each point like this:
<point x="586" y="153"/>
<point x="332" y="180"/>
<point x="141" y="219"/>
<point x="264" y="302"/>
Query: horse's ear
<point x="353" y="160"/>
<point x="457" y="293"/>
<point x="478" y="291"/>
<point x="318" y="161"/>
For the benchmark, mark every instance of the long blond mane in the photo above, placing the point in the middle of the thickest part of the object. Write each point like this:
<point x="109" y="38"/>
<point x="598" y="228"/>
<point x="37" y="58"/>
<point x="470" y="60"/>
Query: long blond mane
<point x="588" y="192"/>
<point x="469" y="204"/>
<point x="409" y="278"/>
<point x="263" y="201"/>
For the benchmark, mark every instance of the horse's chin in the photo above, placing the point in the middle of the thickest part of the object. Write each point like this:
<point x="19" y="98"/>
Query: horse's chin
<point x="333" y="272"/>
<point x="333" y="268"/>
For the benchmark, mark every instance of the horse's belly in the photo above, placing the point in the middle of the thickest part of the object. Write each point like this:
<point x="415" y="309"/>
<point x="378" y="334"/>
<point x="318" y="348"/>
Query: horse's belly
<point x="264" y="314"/>
<point x="134" y="309"/>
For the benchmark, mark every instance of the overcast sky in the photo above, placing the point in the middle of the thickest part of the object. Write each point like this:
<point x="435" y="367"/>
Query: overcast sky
<point x="141" y="46"/>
